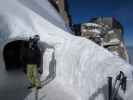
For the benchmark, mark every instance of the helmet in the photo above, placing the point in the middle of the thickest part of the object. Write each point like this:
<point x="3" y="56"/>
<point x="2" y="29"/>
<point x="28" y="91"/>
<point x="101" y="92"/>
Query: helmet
<point x="36" y="38"/>
<point x="33" y="41"/>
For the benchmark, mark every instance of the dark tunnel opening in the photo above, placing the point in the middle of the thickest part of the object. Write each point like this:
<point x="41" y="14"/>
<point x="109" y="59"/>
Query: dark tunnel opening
<point x="11" y="54"/>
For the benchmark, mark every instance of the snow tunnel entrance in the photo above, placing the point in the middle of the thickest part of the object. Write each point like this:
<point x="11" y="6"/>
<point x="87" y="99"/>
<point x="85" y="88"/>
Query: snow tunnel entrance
<point x="11" y="54"/>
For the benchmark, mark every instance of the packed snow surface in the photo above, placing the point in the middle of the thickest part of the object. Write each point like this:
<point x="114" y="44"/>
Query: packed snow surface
<point x="82" y="67"/>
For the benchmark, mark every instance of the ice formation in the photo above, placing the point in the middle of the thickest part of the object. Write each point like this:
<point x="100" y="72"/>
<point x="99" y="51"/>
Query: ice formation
<point x="82" y="67"/>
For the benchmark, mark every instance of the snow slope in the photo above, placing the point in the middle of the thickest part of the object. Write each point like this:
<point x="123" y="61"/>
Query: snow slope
<point x="82" y="67"/>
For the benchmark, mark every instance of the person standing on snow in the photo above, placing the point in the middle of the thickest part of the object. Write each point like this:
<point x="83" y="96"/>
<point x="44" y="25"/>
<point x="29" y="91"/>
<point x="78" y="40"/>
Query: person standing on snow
<point x="33" y="62"/>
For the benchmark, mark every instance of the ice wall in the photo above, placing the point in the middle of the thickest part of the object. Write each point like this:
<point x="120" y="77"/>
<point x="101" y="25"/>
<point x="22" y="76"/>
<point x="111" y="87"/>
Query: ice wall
<point x="82" y="66"/>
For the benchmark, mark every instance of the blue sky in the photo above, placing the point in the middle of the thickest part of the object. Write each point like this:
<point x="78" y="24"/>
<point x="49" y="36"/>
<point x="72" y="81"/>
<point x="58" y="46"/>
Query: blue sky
<point x="122" y="10"/>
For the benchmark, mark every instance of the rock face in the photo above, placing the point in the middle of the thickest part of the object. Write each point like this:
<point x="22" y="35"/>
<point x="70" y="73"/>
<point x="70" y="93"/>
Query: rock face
<point x="107" y="32"/>
<point x="130" y="52"/>
<point x="62" y="8"/>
